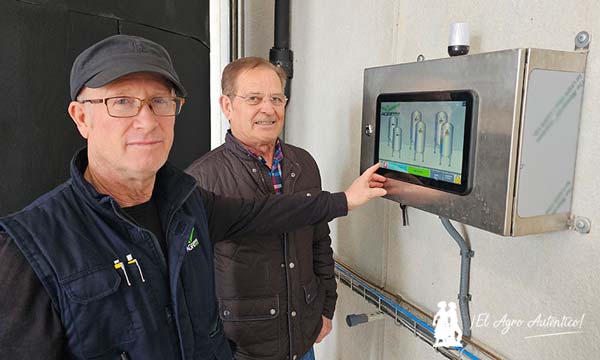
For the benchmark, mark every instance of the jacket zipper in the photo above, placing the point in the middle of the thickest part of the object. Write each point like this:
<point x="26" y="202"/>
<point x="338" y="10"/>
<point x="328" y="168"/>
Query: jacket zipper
<point x="174" y="305"/>
<point x="175" y="208"/>
<point x="163" y="259"/>
<point x="290" y="186"/>
<point x="289" y="293"/>
<point x="271" y="190"/>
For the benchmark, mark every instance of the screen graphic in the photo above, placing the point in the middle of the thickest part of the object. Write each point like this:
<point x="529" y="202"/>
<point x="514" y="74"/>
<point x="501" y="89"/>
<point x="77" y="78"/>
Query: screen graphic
<point x="424" y="138"/>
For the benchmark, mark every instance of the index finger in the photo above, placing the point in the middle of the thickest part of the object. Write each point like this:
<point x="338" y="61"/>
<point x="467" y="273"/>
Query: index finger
<point x="371" y="170"/>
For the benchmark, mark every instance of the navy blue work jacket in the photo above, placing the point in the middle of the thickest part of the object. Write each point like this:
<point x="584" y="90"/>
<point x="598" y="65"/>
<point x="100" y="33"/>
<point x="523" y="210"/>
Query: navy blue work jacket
<point x="77" y="242"/>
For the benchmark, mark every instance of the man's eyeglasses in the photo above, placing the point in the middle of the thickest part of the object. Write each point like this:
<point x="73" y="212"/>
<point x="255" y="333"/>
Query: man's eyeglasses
<point x="129" y="106"/>
<point x="255" y="99"/>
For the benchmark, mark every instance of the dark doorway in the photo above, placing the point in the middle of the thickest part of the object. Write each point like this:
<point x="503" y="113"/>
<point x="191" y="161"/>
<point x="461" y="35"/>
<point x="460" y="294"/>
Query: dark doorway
<point x="41" y="38"/>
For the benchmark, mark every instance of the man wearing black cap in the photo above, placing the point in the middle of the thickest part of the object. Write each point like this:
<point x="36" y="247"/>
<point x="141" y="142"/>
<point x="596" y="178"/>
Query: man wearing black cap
<point x="117" y="262"/>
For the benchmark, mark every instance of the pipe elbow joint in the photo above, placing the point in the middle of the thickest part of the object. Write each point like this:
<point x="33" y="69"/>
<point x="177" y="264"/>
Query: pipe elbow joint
<point x="283" y="58"/>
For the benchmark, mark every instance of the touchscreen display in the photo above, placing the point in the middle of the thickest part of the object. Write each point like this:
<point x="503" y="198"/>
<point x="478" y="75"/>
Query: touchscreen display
<point x="426" y="135"/>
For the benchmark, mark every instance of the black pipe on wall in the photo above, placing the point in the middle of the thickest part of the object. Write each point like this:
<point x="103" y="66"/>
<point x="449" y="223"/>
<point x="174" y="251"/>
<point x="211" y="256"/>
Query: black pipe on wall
<point x="282" y="24"/>
<point x="280" y="54"/>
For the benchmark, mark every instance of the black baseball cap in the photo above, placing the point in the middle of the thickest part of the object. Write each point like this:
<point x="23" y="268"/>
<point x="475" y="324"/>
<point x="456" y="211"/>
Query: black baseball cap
<point x="120" y="55"/>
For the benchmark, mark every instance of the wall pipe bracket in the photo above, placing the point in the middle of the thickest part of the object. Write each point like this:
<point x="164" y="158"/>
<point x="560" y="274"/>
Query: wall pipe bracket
<point x="580" y="224"/>
<point x="583" y="39"/>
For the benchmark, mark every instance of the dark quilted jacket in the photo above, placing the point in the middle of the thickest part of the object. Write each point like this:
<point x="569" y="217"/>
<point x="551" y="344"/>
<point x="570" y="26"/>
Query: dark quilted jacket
<point x="271" y="290"/>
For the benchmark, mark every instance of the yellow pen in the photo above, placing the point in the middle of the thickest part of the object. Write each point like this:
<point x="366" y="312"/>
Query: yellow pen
<point x="131" y="260"/>
<point x="119" y="265"/>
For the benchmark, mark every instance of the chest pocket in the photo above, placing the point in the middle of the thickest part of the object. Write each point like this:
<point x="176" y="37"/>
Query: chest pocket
<point x="98" y="311"/>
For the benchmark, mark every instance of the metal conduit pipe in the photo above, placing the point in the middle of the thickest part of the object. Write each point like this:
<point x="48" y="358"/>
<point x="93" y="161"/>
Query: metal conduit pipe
<point x="465" y="273"/>
<point x="280" y="54"/>
<point x="405" y="314"/>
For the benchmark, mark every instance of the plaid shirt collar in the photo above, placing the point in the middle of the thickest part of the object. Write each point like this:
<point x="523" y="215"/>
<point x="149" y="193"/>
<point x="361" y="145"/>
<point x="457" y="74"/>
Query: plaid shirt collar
<point x="275" y="170"/>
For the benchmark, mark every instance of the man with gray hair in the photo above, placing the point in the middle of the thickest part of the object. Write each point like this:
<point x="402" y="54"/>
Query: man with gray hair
<point x="117" y="262"/>
<point x="291" y="273"/>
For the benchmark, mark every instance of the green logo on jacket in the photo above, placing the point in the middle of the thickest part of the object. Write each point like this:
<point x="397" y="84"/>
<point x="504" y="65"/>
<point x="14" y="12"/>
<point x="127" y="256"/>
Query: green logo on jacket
<point x="192" y="243"/>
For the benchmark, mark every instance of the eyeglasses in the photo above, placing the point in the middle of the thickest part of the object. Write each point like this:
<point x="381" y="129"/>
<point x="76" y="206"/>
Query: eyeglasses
<point x="276" y="100"/>
<point x="129" y="106"/>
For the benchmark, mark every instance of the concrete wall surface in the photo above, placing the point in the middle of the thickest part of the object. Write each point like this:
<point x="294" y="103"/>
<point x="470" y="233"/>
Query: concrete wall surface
<point x="514" y="279"/>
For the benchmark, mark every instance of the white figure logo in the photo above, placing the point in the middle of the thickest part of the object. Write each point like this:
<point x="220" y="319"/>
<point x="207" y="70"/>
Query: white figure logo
<point x="447" y="332"/>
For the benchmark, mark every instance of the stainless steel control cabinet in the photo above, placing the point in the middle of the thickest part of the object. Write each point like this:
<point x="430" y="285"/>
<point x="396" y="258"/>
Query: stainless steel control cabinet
<point x="527" y="110"/>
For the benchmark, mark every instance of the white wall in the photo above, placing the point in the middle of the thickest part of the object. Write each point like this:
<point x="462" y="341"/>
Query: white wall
<point x="258" y="27"/>
<point x="219" y="58"/>
<point x="554" y="274"/>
